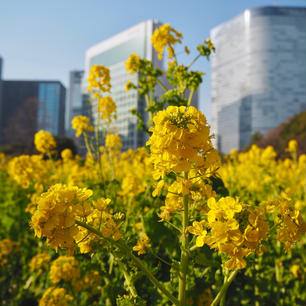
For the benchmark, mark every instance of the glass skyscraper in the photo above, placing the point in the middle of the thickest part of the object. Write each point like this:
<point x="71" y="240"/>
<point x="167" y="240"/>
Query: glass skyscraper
<point x="113" y="53"/>
<point x="258" y="73"/>
<point x="29" y="106"/>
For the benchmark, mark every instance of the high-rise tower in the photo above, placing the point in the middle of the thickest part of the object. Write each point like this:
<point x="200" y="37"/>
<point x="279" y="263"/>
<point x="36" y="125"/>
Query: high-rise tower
<point x="258" y="73"/>
<point x="113" y="53"/>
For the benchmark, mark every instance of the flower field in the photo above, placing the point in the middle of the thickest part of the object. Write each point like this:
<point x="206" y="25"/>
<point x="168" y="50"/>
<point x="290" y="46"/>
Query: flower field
<point x="168" y="224"/>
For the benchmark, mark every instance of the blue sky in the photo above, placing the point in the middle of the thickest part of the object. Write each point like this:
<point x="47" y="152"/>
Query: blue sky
<point x="41" y="39"/>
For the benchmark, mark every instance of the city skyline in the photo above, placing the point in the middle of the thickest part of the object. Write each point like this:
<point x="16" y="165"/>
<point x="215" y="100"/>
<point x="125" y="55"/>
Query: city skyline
<point x="35" y="46"/>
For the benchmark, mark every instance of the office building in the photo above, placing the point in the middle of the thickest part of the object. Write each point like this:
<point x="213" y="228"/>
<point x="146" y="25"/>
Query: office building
<point x="258" y="73"/>
<point x="74" y="104"/>
<point x="29" y="106"/>
<point x="113" y="53"/>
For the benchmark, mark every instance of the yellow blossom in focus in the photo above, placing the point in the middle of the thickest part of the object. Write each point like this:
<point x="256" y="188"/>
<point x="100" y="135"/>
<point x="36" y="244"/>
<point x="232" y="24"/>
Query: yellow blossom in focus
<point x="81" y="124"/>
<point x="197" y="229"/>
<point x="180" y="141"/>
<point x="44" y="141"/>
<point x="57" y="210"/>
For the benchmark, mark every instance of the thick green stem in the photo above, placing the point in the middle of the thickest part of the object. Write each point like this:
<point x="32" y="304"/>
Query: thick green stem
<point x="124" y="249"/>
<point x="224" y="288"/>
<point x="184" y="254"/>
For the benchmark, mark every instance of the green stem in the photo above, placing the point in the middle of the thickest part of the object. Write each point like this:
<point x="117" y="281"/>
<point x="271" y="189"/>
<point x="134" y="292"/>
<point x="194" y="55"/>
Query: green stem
<point x="86" y="143"/>
<point x="127" y="277"/>
<point x="162" y="85"/>
<point x="194" y="60"/>
<point x="223" y="298"/>
<point x="190" y="97"/>
<point x="184" y="253"/>
<point x="224" y="289"/>
<point x="148" y="105"/>
<point x="136" y="261"/>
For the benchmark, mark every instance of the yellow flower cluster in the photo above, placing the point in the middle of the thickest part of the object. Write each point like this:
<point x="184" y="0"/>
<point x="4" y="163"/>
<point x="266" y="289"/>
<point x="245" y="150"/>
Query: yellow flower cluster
<point x="291" y="225"/>
<point x="55" y="297"/>
<point x="196" y="190"/>
<point x="99" y="80"/>
<point x="107" y="108"/>
<point x="165" y="36"/>
<point x="25" y="169"/>
<point x="40" y="262"/>
<point x="64" y="268"/>
<point x="133" y="63"/>
<point x="113" y="142"/>
<point x="142" y="244"/>
<point x="259" y="176"/>
<point x="232" y="228"/>
<point x="180" y="141"/>
<point x="44" y="142"/>
<point x="131" y="186"/>
<point x="81" y="124"/>
<point x="56" y="213"/>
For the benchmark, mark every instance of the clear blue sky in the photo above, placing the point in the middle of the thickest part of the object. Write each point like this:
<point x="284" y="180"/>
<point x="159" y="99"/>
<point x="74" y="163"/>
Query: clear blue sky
<point x="41" y="39"/>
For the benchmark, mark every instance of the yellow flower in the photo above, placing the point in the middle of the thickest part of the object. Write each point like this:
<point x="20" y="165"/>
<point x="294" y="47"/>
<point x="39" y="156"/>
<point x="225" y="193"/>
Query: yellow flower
<point x="197" y="229"/>
<point x="64" y="268"/>
<point x="39" y="262"/>
<point x="142" y="244"/>
<point x="81" y="124"/>
<point x="44" y="141"/>
<point x="55" y="297"/>
<point x="66" y="154"/>
<point x="56" y="213"/>
<point x="292" y="146"/>
<point x="180" y="141"/>
<point x="106" y="107"/>
<point x="99" y="80"/>
<point x="113" y="142"/>
<point x="165" y="36"/>
<point x="133" y="64"/>
<point x="295" y="269"/>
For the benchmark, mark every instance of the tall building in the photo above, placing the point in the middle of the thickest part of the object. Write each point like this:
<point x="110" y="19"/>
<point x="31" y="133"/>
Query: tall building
<point x="258" y="73"/>
<point x="74" y="103"/>
<point x="29" y="106"/>
<point x="113" y="53"/>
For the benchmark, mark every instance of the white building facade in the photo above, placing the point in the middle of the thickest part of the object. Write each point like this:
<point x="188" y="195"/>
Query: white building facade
<point x="258" y="73"/>
<point x="113" y="53"/>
